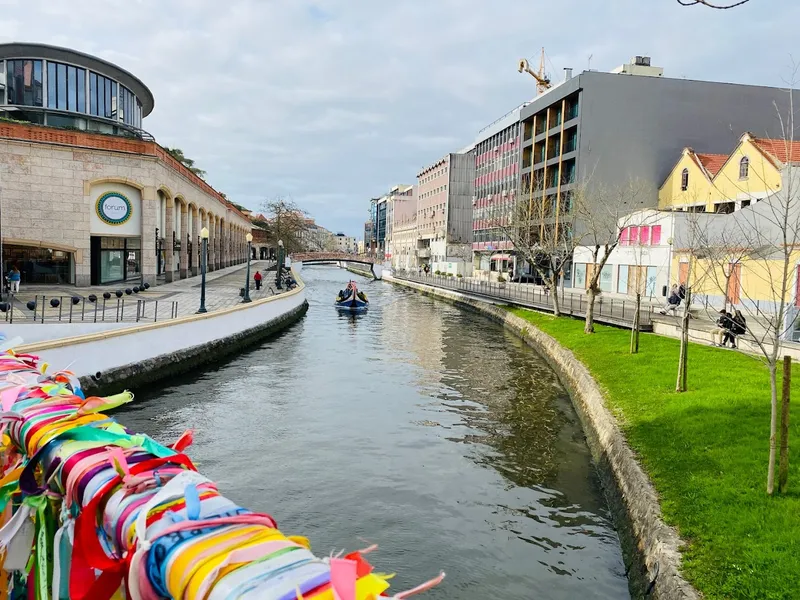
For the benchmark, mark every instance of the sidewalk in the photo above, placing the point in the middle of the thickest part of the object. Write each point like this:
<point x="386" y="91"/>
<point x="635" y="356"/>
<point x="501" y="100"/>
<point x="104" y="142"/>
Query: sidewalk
<point x="177" y="299"/>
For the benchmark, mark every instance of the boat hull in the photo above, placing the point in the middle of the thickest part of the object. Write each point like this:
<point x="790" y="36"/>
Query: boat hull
<point x="352" y="304"/>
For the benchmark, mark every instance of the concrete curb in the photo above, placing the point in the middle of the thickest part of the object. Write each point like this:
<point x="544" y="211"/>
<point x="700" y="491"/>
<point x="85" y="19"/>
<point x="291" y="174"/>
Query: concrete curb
<point x="158" y="368"/>
<point x="651" y="548"/>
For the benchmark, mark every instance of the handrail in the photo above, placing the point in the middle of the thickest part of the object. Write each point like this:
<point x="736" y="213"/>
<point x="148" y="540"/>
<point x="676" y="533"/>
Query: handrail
<point x="612" y="311"/>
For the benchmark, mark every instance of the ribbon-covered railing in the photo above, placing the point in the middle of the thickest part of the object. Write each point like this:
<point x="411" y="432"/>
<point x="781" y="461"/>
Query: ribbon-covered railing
<point x="92" y="511"/>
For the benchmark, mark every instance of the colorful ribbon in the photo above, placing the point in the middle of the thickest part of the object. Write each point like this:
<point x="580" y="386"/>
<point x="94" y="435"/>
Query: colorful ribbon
<point x="95" y="512"/>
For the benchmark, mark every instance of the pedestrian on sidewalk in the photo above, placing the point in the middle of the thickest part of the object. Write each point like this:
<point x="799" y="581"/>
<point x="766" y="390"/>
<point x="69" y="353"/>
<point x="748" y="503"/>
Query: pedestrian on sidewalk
<point x="257" y="279"/>
<point x="14" y="278"/>
<point x="673" y="301"/>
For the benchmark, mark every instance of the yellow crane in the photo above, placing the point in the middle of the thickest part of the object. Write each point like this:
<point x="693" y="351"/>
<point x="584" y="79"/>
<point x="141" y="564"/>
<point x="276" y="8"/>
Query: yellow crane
<point x="542" y="79"/>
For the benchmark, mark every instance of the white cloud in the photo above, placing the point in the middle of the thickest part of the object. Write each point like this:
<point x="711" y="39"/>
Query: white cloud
<point x="334" y="101"/>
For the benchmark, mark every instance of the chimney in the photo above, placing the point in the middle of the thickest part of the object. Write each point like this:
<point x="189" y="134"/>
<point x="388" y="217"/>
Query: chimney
<point x="567" y="74"/>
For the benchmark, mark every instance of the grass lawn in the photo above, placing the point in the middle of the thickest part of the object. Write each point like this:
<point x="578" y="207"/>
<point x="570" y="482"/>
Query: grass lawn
<point x="705" y="450"/>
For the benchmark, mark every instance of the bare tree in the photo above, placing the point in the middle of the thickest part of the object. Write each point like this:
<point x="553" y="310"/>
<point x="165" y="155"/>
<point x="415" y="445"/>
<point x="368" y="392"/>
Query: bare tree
<point x="285" y="222"/>
<point x="764" y="238"/>
<point x="541" y="230"/>
<point x="637" y="283"/>
<point x="602" y="218"/>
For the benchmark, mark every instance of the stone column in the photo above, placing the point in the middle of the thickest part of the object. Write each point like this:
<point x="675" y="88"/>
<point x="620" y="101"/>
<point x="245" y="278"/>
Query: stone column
<point x="150" y="208"/>
<point x="195" y="236"/>
<point x="169" y="229"/>
<point x="217" y="245"/>
<point x="184" y="258"/>
<point x="212" y="236"/>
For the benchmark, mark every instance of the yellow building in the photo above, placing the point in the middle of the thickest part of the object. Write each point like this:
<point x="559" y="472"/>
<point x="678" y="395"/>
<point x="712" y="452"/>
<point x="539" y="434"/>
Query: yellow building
<point x="723" y="183"/>
<point x="736" y="252"/>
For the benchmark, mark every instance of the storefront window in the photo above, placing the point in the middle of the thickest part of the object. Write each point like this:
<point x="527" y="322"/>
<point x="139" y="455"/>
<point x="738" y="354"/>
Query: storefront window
<point x="39" y="265"/>
<point x="606" y="276"/>
<point x="580" y="275"/>
<point x="111" y="267"/>
<point x="120" y="259"/>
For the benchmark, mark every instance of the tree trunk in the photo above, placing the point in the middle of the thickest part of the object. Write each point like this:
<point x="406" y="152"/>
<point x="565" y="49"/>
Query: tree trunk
<point x="773" y="426"/>
<point x="556" y="306"/>
<point x="783" y="468"/>
<point x="635" y="327"/>
<point x="681" y="384"/>
<point x="589" y="325"/>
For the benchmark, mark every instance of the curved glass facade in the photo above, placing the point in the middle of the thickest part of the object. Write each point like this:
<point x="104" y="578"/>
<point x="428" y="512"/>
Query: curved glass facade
<point x="47" y="84"/>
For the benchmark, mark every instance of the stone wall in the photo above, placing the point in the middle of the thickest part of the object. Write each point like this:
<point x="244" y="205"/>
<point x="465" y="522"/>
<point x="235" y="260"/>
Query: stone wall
<point x="650" y="547"/>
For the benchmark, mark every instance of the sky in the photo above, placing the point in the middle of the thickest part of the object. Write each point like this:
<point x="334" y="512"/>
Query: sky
<point x="333" y="102"/>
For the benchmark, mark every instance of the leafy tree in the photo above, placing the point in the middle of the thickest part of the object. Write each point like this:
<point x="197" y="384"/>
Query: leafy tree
<point x="178" y="155"/>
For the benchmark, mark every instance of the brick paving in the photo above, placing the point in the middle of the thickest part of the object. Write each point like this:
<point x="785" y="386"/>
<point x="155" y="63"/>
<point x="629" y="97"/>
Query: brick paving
<point x="177" y="299"/>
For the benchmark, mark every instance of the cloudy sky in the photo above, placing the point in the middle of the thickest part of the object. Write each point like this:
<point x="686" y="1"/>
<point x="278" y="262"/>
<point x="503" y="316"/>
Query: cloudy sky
<point x="331" y="102"/>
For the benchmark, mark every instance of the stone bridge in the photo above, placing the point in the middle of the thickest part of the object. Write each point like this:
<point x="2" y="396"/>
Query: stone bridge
<point x="310" y="257"/>
<point x="323" y="257"/>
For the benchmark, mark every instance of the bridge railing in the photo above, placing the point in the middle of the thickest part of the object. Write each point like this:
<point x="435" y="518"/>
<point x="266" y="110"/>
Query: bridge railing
<point x="612" y="311"/>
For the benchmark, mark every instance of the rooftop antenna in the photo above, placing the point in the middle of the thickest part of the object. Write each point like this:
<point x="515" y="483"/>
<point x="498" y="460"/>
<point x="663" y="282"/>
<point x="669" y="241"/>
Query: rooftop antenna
<point x="589" y="66"/>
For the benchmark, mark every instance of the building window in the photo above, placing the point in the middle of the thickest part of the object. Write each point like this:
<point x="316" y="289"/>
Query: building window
<point x="744" y="168"/>
<point x="24" y="82"/>
<point x="102" y="96"/>
<point x="66" y="87"/>
<point x="655" y="235"/>
<point x="685" y="180"/>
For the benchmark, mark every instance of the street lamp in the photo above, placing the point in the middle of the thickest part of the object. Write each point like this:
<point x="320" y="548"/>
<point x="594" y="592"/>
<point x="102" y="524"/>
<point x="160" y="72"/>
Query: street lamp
<point x="203" y="266"/>
<point x="279" y="265"/>
<point x="247" y="278"/>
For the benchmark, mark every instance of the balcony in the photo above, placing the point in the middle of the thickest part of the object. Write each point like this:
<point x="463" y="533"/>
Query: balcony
<point x="424" y="253"/>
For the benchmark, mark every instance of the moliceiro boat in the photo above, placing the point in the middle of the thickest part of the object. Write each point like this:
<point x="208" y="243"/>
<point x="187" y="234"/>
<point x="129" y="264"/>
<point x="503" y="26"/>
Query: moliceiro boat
<point x="351" y="298"/>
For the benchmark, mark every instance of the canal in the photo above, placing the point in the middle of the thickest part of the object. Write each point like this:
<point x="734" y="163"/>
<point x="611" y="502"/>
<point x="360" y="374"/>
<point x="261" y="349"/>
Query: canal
<point x="417" y="426"/>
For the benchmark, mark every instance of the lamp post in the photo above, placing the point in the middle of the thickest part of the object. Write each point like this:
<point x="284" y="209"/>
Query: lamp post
<point x="279" y="265"/>
<point x="247" y="278"/>
<point x="203" y="265"/>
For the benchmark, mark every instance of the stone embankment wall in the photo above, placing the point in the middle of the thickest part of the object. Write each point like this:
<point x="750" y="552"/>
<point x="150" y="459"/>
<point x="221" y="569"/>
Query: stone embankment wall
<point x="651" y="548"/>
<point x="135" y="356"/>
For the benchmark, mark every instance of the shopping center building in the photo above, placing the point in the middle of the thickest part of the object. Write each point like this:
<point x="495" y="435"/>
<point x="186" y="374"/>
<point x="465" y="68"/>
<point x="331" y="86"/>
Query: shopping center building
<point x="87" y="197"/>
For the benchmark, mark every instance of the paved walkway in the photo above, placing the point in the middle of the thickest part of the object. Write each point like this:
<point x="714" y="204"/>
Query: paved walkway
<point x="176" y="299"/>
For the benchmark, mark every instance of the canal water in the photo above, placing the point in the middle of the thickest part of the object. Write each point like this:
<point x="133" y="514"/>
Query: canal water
<point x="417" y="426"/>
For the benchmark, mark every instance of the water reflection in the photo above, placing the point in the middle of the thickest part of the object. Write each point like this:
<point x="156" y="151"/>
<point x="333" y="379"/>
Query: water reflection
<point x="426" y="429"/>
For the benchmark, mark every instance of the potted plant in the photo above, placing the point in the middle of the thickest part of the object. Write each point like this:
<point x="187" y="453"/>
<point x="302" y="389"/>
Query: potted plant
<point x="501" y="280"/>
<point x="459" y="275"/>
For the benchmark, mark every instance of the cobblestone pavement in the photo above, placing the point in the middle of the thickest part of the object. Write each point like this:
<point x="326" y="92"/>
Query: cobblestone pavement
<point x="176" y="299"/>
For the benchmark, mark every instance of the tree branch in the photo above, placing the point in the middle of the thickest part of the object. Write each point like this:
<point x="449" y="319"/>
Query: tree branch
<point x="712" y="4"/>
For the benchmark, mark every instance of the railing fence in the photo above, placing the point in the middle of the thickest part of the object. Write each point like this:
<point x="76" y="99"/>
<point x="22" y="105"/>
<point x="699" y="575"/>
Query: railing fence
<point x="614" y="311"/>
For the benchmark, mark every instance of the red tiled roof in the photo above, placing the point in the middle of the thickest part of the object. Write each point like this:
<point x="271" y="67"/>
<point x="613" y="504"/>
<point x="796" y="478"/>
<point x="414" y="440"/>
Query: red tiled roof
<point x="712" y="162"/>
<point x="782" y="151"/>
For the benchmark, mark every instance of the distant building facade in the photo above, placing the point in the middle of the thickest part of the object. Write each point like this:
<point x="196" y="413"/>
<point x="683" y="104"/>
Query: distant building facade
<point x="444" y="213"/>
<point x="404" y="230"/>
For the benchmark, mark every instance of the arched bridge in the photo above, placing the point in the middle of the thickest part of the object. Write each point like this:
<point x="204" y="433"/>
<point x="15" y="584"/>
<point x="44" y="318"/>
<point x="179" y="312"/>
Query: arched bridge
<point x="323" y="257"/>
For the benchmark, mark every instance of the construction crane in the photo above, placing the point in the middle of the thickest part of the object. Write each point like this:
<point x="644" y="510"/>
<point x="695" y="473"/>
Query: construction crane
<point x="542" y="79"/>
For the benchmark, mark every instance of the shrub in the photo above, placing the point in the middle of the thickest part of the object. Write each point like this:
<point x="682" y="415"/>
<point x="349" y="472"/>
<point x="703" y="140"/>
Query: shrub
<point x="459" y="275"/>
<point x="501" y="279"/>
<point x="437" y="272"/>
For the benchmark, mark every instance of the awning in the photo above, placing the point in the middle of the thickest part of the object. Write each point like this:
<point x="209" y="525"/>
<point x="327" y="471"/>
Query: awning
<point x="501" y="257"/>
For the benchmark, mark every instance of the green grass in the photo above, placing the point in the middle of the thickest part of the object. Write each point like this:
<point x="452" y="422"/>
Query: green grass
<point x="706" y="452"/>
